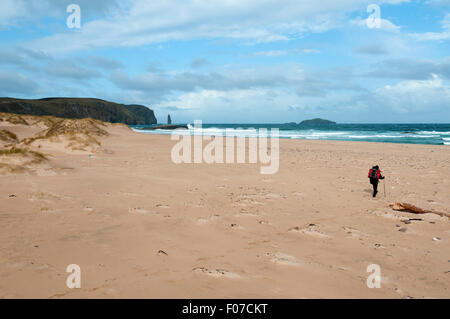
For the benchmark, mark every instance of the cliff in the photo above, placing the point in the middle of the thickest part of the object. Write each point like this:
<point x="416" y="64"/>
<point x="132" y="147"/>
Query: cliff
<point x="77" y="108"/>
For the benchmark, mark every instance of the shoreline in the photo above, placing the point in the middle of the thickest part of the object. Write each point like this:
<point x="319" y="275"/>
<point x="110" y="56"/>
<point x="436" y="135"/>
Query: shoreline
<point x="425" y="136"/>
<point x="169" y="132"/>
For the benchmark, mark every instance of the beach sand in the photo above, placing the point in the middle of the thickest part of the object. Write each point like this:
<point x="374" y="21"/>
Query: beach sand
<point x="140" y="226"/>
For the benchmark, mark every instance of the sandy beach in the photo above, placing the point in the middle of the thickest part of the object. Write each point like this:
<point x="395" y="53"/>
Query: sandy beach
<point x="140" y="226"/>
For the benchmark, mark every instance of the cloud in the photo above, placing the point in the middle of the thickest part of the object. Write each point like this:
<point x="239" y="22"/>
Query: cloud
<point x="396" y="1"/>
<point x="266" y="94"/>
<point x="408" y="99"/>
<point x="10" y="11"/>
<point x="439" y="3"/>
<point x="16" y="12"/>
<point x="288" y="76"/>
<point x="199" y="62"/>
<point x="264" y="105"/>
<point x="68" y="69"/>
<point x="21" y="56"/>
<point x="102" y="62"/>
<point x="230" y="106"/>
<point x="145" y="22"/>
<point x="431" y="36"/>
<point x="229" y="92"/>
<point x="13" y="82"/>
<point x="385" y="25"/>
<point x="410" y="69"/>
<point x="435" y="36"/>
<point x="10" y="57"/>
<point x="163" y="83"/>
<point x="371" y="49"/>
<point x="271" y="53"/>
<point x="446" y="22"/>
<point x="275" y="53"/>
<point x="430" y="95"/>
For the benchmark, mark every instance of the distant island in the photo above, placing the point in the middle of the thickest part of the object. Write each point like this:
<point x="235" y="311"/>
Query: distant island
<point x="316" y="121"/>
<point x="78" y="108"/>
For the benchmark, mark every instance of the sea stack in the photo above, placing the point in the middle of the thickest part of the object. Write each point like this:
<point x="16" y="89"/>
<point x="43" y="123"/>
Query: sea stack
<point x="169" y="120"/>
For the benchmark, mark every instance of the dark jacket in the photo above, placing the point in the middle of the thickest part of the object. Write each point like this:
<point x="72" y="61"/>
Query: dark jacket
<point x="375" y="180"/>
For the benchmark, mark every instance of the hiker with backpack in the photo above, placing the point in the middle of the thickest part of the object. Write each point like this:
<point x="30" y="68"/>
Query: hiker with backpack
<point x="375" y="175"/>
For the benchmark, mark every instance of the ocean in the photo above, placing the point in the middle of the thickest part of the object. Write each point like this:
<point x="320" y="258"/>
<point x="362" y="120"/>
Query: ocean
<point x="435" y="134"/>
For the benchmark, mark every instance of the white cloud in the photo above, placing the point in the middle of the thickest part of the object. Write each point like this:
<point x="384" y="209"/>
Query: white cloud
<point x="385" y="25"/>
<point x="415" y="95"/>
<point x="396" y="1"/>
<point x="436" y="36"/>
<point x="14" y="12"/>
<point x="10" y="11"/>
<point x="446" y="22"/>
<point x="271" y="53"/>
<point x="291" y="76"/>
<point x="265" y="105"/>
<point x="431" y="36"/>
<point x="405" y="99"/>
<point x="275" y="53"/>
<point x="144" y="22"/>
<point x="410" y="69"/>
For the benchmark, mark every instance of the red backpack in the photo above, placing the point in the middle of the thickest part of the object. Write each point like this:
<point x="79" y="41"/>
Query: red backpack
<point x="374" y="173"/>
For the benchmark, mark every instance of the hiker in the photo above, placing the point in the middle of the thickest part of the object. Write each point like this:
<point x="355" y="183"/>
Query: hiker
<point x="375" y="175"/>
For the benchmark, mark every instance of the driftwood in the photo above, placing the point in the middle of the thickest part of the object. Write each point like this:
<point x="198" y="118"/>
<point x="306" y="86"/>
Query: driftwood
<point x="416" y="210"/>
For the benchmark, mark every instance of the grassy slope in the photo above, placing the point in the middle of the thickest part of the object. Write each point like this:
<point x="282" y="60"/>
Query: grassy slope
<point x="80" y="108"/>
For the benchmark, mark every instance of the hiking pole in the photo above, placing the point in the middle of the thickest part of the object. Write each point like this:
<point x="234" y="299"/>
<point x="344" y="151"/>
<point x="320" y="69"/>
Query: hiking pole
<point x="384" y="187"/>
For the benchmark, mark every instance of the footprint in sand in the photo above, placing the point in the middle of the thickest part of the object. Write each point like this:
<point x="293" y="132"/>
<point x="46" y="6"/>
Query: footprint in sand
<point x="297" y="194"/>
<point x="248" y="203"/>
<point x="29" y="266"/>
<point x="311" y="229"/>
<point x="389" y="214"/>
<point x="45" y="172"/>
<point x="139" y="210"/>
<point x="283" y="259"/>
<point x="352" y="232"/>
<point x="44" y="197"/>
<point x="162" y="206"/>
<point x="244" y="212"/>
<point x="205" y="220"/>
<point x="247" y="200"/>
<point x="131" y="194"/>
<point x="217" y="273"/>
<point x="46" y="210"/>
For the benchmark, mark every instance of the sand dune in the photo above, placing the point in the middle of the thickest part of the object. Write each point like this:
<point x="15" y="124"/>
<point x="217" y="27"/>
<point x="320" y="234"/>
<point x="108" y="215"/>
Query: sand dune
<point x="25" y="138"/>
<point x="138" y="225"/>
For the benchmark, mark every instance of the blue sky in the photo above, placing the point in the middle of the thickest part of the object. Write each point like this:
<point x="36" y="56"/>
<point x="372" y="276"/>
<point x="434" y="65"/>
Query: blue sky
<point x="236" y="61"/>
